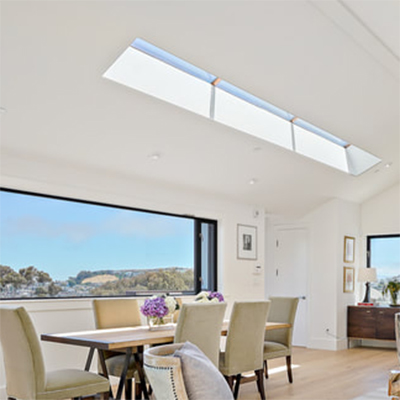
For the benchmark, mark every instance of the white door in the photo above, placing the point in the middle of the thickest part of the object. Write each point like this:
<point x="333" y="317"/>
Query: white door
<point x="290" y="275"/>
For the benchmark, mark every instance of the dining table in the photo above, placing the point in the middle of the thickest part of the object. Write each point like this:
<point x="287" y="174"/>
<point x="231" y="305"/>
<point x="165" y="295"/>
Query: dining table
<point x="124" y="340"/>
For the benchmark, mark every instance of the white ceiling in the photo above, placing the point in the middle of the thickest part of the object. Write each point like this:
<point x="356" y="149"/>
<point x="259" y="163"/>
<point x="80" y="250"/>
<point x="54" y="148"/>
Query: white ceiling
<point x="332" y="63"/>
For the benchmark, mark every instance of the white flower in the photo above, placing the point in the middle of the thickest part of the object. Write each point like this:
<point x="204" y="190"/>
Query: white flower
<point x="202" y="296"/>
<point x="214" y="300"/>
<point x="202" y="300"/>
<point x="170" y="302"/>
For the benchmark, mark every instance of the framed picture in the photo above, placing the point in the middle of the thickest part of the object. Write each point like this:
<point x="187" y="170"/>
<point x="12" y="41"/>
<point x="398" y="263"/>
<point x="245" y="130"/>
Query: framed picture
<point x="348" y="279"/>
<point x="247" y="242"/>
<point x="349" y="248"/>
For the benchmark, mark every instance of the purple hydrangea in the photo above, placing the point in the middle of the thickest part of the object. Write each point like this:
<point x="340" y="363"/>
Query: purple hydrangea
<point x="154" y="307"/>
<point x="218" y="295"/>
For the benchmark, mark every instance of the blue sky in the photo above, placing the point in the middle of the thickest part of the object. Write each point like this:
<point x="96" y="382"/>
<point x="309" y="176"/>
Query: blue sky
<point x="385" y="256"/>
<point x="64" y="237"/>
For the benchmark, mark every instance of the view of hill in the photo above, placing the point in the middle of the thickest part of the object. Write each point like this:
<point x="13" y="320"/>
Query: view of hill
<point x="31" y="282"/>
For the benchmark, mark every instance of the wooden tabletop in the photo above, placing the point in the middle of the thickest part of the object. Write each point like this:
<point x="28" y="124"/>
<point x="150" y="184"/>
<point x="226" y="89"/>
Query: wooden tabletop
<point x="121" y="338"/>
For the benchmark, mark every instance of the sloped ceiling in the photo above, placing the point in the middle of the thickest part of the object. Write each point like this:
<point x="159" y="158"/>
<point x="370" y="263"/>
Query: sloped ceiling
<point x="332" y="63"/>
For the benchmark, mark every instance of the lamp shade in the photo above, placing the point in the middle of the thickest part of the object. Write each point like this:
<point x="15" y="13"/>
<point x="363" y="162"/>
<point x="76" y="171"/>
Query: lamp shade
<point x="367" y="275"/>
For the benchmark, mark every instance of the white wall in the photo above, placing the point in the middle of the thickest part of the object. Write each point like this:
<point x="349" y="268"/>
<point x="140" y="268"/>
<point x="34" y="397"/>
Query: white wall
<point x="327" y="225"/>
<point x="236" y="278"/>
<point x="380" y="215"/>
<point x="327" y="304"/>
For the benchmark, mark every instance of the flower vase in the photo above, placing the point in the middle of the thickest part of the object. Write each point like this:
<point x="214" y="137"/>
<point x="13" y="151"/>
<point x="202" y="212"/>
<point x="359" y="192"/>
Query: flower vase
<point x="156" y="323"/>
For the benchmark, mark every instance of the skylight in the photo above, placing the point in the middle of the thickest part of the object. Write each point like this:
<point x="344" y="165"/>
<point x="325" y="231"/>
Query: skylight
<point x="156" y="72"/>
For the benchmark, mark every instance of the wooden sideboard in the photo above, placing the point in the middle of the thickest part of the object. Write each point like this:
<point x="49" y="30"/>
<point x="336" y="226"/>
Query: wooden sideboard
<point x="365" y="322"/>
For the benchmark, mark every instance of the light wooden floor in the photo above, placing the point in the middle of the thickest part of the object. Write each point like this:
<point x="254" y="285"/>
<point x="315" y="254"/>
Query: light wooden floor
<point x="327" y="375"/>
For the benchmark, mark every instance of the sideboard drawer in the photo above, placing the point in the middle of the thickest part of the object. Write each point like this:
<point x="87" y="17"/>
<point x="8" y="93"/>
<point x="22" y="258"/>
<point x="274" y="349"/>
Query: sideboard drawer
<point x="385" y="323"/>
<point x="361" y="322"/>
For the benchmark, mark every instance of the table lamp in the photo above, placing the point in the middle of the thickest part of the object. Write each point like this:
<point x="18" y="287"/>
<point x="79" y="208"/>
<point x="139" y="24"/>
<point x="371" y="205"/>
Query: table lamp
<point x="367" y="275"/>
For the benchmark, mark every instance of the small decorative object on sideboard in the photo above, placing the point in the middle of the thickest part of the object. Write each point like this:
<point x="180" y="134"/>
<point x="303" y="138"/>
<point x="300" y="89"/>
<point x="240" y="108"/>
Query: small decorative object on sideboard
<point x="159" y="311"/>
<point x="393" y="287"/>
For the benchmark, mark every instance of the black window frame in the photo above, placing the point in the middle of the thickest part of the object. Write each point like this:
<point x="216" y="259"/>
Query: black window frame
<point x="197" y="237"/>
<point x="371" y="237"/>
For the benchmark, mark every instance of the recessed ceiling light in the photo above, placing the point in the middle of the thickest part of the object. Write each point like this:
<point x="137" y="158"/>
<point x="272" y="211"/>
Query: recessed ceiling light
<point x="155" y="156"/>
<point x="388" y="165"/>
<point x="2" y="110"/>
<point x="252" y="181"/>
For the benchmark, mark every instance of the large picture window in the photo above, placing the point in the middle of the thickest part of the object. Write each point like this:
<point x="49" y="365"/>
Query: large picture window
<point x="383" y="253"/>
<point x="58" y="247"/>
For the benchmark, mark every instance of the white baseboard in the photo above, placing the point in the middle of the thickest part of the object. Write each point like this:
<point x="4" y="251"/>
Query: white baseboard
<point x="322" y="344"/>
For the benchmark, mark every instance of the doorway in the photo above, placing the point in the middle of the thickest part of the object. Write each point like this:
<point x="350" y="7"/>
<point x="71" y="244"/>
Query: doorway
<point x="289" y="277"/>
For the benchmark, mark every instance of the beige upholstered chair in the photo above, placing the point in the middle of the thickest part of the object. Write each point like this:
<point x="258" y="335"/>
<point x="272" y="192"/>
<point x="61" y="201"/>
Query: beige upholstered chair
<point x="24" y="365"/>
<point x="244" y="343"/>
<point x="165" y="373"/>
<point x="201" y="324"/>
<point x="278" y="343"/>
<point x="394" y="377"/>
<point x="118" y="313"/>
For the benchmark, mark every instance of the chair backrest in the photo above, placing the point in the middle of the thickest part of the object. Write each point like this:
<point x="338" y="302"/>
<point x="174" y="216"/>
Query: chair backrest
<point x="116" y="313"/>
<point x="23" y="359"/>
<point x="201" y="324"/>
<point x="245" y="340"/>
<point x="283" y="309"/>
<point x="165" y="373"/>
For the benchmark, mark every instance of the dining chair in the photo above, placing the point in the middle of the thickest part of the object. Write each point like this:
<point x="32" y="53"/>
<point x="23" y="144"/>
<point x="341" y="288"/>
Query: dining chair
<point x="201" y="324"/>
<point x="26" y="376"/>
<point x="119" y="313"/>
<point x="244" y="344"/>
<point x="278" y="343"/>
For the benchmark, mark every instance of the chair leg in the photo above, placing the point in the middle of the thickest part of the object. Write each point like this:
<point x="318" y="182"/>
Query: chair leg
<point x="229" y="379"/>
<point x="289" y="368"/>
<point x="266" y="369"/>
<point x="128" y="389"/>
<point x="236" y="392"/>
<point x="105" y="395"/>
<point x="138" y="391"/>
<point x="260" y="383"/>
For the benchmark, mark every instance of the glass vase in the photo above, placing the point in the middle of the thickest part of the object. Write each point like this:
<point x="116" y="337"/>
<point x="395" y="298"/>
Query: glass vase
<point x="156" y="323"/>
